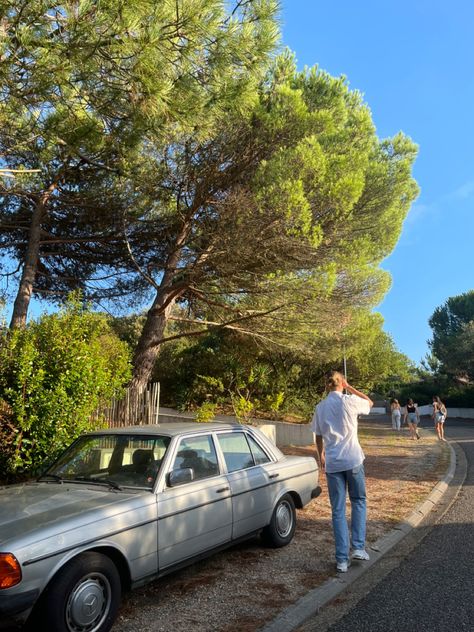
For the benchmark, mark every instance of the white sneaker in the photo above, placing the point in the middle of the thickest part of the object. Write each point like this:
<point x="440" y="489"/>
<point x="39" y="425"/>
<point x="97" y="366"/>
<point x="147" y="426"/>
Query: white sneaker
<point x="342" y="567"/>
<point x="360" y="554"/>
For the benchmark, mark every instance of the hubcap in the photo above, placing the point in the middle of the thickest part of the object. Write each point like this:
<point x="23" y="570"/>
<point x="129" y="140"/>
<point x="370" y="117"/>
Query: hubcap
<point x="284" y="519"/>
<point x="88" y="603"/>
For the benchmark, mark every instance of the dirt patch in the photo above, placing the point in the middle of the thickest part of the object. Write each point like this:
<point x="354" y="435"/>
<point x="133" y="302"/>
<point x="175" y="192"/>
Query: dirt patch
<point x="246" y="586"/>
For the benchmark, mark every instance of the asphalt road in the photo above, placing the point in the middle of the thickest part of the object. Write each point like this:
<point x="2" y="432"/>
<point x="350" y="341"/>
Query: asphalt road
<point x="430" y="587"/>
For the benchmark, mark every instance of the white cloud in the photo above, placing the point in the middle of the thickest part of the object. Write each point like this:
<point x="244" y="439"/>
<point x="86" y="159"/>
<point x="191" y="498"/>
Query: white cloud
<point x="464" y="191"/>
<point x="417" y="212"/>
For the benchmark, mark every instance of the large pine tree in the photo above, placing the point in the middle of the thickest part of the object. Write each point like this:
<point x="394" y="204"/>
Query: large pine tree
<point x="275" y="226"/>
<point x="84" y="86"/>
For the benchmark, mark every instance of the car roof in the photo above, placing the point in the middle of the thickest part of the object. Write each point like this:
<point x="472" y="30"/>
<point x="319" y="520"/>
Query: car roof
<point x="170" y="429"/>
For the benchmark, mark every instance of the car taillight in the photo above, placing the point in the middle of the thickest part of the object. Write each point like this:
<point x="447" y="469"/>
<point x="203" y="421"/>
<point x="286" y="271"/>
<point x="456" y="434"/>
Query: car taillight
<point x="10" y="570"/>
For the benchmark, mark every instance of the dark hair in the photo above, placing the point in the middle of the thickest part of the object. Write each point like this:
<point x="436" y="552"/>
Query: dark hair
<point x="410" y="402"/>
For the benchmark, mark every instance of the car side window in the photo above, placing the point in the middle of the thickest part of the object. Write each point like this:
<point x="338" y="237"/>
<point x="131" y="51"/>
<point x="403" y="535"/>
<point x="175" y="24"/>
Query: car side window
<point x="258" y="454"/>
<point x="236" y="450"/>
<point x="199" y="454"/>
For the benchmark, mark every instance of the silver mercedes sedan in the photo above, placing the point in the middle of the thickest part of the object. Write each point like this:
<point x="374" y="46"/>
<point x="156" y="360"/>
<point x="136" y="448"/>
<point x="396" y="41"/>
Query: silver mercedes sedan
<point x="122" y="507"/>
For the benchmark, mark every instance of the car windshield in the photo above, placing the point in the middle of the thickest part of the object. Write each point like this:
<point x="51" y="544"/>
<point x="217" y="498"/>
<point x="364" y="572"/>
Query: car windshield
<point x="113" y="460"/>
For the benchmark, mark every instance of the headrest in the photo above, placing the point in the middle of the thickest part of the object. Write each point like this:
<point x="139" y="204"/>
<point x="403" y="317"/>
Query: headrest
<point x="188" y="454"/>
<point x="142" y="457"/>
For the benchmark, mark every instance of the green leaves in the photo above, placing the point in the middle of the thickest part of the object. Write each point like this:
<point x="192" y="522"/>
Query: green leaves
<point x="55" y="374"/>
<point x="92" y="93"/>
<point x="453" y="337"/>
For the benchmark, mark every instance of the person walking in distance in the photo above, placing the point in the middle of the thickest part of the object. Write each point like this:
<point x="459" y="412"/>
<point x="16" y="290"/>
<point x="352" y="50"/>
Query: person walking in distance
<point x="340" y="455"/>
<point x="413" y="416"/>
<point x="396" y="414"/>
<point x="439" y="416"/>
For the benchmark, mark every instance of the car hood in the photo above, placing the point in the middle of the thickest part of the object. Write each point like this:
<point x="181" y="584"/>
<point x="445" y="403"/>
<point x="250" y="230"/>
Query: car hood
<point x="38" y="510"/>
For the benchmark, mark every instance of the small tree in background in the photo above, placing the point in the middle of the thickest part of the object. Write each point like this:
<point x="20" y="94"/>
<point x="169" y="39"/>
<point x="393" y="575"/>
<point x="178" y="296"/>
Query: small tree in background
<point x="54" y="375"/>
<point x="448" y="370"/>
<point x="453" y="337"/>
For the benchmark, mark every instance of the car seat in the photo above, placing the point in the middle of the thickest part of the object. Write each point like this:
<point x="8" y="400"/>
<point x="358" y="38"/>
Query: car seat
<point x="142" y="460"/>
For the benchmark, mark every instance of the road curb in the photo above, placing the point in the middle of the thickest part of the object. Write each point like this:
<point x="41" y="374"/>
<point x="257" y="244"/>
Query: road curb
<point x="312" y="602"/>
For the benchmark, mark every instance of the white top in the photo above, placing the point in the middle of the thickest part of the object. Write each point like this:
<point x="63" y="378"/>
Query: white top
<point x="335" y="420"/>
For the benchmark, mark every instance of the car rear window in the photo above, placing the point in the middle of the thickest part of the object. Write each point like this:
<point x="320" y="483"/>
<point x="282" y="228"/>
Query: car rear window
<point x="236" y="450"/>
<point x="258" y="453"/>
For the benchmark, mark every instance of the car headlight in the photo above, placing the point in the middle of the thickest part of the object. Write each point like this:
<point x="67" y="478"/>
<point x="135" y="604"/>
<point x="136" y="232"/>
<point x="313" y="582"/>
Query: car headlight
<point x="10" y="570"/>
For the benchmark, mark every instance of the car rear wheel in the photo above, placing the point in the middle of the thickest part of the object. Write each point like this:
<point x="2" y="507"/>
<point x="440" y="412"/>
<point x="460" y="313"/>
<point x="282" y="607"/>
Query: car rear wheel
<point x="282" y="526"/>
<point x="83" y="597"/>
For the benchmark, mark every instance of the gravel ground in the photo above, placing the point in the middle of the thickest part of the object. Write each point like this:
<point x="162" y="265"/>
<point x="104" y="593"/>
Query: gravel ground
<point x="248" y="585"/>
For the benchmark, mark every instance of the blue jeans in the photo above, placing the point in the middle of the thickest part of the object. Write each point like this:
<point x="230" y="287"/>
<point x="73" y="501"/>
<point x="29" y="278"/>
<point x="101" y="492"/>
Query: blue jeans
<point x="353" y="481"/>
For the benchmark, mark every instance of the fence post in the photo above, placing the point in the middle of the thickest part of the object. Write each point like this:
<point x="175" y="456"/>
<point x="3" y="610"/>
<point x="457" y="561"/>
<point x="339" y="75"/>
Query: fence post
<point x="157" y="401"/>
<point x="142" y="407"/>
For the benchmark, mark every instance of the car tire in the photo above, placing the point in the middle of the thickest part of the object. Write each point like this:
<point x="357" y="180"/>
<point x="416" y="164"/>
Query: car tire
<point x="84" y="596"/>
<point x="282" y="526"/>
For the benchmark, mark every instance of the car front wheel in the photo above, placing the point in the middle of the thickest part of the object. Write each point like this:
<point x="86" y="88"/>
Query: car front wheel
<point x="84" y="596"/>
<point x="282" y="526"/>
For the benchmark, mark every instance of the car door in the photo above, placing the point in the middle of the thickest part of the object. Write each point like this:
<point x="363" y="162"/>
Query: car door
<point x="250" y="484"/>
<point x="194" y="516"/>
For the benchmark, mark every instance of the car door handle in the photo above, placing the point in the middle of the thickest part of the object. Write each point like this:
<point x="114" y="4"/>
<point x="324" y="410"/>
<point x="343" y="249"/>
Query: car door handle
<point x="222" y="489"/>
<point x="273" y="475"/>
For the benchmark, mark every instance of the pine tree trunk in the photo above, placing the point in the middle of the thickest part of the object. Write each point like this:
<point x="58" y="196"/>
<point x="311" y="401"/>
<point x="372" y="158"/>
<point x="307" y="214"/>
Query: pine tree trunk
<point x="148" y="347"/>
<point x="30" y="266"/>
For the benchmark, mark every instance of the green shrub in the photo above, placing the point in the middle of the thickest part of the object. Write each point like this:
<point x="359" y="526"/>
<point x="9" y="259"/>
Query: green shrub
<point x="299" y="405"/>
<point x="460" y="398"/>
<point x="451" y="394"/>
<point x="206" y="412"/>
<point x="54" y="374"/>
<point x="243" y="408"/>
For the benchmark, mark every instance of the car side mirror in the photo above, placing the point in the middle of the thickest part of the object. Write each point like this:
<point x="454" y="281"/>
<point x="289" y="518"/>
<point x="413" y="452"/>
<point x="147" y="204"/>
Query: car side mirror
<point x="178" y="477"/>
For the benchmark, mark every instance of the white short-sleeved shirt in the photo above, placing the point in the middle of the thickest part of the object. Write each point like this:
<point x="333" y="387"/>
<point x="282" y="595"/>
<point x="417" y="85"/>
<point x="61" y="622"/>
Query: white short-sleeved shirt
<point x="335" y="420"/>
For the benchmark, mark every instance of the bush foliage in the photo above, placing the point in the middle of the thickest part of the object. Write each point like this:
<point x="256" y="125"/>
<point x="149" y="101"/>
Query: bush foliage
<point x="245" y="380"/>
<point x="422" y="391"/>
<point x="54" y="375"/>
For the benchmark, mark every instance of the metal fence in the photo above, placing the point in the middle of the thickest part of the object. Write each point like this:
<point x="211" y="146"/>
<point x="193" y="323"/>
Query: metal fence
<point x="134" y="408"/>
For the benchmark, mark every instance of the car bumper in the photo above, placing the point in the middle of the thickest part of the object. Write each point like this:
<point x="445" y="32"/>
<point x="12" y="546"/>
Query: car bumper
<point x="14" y="609"/>
<point x="316" y="492"/>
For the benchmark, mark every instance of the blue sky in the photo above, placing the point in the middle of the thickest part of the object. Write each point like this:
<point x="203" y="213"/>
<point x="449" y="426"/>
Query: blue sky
<point x="413" y="61"/>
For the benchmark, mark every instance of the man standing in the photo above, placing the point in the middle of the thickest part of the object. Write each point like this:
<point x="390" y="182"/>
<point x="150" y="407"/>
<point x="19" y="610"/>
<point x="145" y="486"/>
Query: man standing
<point x="335" y="425"/>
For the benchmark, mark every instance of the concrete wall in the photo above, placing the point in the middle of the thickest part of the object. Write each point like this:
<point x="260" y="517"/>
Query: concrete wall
<point x="281" y="433"/>
<point x="289" y="434"/>
<point x="378" y="410"/>
<point x="460" y="413"/>
<point x="167" y="416"/>
<point x="284" y="433"/>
